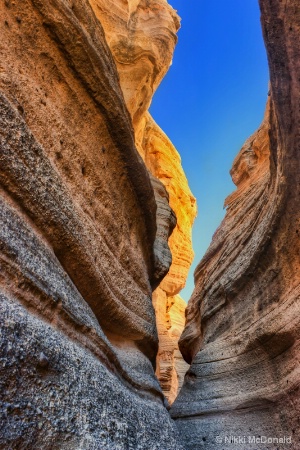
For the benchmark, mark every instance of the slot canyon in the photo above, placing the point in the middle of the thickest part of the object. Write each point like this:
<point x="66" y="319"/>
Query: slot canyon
<point x="98" y="350"/>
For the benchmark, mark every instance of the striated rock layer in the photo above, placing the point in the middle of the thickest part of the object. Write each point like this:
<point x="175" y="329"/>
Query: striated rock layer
<point x="242" y="330"/>
<point x="142" y="41"/>
<point x="83" y="236"/>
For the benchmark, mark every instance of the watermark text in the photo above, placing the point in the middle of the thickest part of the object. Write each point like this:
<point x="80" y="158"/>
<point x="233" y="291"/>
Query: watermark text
<point x="287" y="440"/>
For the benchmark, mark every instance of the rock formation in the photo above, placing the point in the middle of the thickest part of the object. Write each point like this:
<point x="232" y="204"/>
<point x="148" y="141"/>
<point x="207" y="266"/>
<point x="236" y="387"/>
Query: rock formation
<point x="142" y="41"/>
<point x="170" y="319"/>
<point x="88" y="189"/>
<point x="84" y="229"/>
<point x="242" y="330"/>
<point x="164" y="163"/>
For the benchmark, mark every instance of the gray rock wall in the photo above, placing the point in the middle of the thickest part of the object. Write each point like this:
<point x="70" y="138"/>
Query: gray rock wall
<point x="242" y="330"/>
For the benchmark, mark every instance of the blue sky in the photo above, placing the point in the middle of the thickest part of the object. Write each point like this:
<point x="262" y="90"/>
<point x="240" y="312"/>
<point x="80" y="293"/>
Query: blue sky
<point x="212" y="100"/>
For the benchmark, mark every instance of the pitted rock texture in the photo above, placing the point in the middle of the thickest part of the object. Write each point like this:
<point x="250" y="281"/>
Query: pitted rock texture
<point x="170" y="318"/>
<point x="55" y="394"/>
<point x="242" y="332"/>
<point x="81" y="244"/>
<point x="142" y="36"/>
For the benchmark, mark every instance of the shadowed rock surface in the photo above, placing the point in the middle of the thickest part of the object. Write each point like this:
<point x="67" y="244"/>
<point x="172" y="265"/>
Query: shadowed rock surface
<point x="242" y="330"/>
<point x="83" y="236"/>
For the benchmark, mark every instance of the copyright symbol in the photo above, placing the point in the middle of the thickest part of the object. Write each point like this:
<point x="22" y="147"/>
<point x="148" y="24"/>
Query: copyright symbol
<point x="218" y="440"/>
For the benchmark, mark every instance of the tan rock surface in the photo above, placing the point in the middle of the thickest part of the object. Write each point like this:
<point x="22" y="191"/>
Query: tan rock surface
<point x="242" y="331"/>
<point x="164" y="162"/>
<point x="83" y="240"/>
<point x="170" y="317"/>
<point x="142" y="41"/>
<point x="142" y="37"/>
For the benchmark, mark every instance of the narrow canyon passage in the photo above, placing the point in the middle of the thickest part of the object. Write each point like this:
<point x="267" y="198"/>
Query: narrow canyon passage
<point x="96" y="214"/>
<point x="210" y="101"/>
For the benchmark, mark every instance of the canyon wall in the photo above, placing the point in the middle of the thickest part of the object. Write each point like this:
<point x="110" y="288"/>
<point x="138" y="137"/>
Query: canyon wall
<point x="170" y="319"/>
<point x="85" y="224"/>
<point x="242" y="329"/>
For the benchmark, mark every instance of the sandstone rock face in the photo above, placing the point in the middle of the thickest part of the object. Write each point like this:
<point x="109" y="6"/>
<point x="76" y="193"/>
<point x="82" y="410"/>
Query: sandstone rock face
<point x="142" y="36"/>
<point x="88" y="189"/>
<point x="242" y="332"/>
<point x="83" y="240"/>
<point x="142" y="40"/>
<point x="164" y="163"/>
<point x="170" y="318"/>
